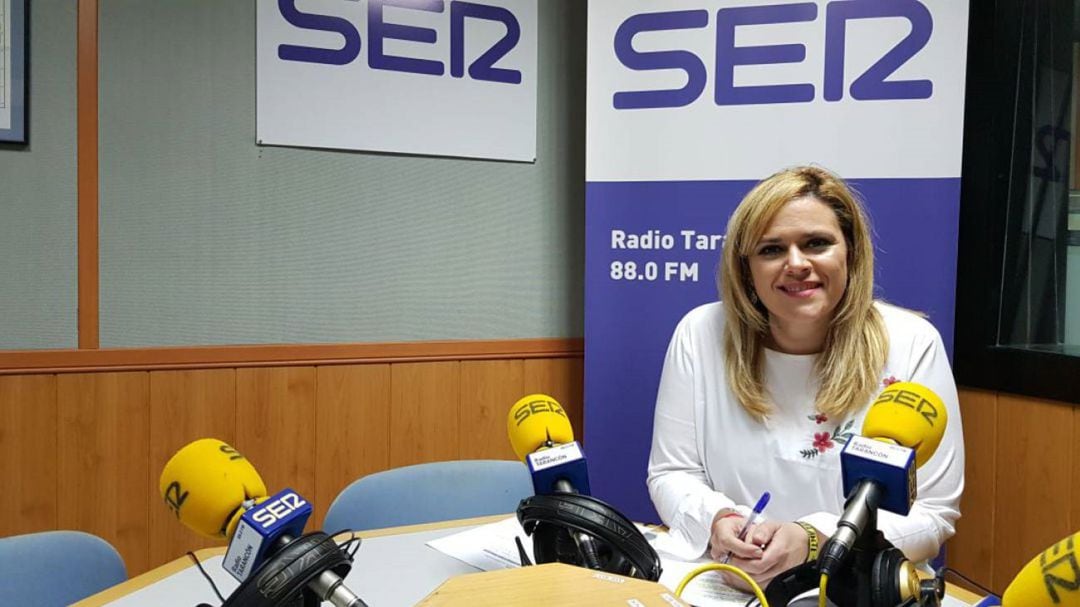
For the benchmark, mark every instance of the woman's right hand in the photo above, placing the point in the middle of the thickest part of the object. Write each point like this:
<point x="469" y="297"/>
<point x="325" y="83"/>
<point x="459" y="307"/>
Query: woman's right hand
<point x="726" y="526"/>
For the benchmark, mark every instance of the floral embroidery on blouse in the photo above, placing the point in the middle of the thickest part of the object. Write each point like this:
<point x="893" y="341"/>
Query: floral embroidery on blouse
<point x="823" y="441"/>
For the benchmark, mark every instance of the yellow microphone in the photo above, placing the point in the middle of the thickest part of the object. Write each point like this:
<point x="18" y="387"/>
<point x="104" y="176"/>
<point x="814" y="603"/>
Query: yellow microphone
<point x="910" y="415"/>
<point x="541" y="435"/>
<point x="536" y="422"/>
<point x="216" y="492"/>
<point x="1051" y="578"/>
<point x="209" y="485"/>
<point x="902" y="430"/>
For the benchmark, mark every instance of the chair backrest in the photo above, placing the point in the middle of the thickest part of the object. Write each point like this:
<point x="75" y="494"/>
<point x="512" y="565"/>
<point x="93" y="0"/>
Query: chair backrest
<point x="425" y="493"/>
<point x="56" y="568"/>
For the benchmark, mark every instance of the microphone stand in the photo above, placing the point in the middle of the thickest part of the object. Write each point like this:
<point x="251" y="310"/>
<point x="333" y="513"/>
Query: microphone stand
<point x="850" y="586"/>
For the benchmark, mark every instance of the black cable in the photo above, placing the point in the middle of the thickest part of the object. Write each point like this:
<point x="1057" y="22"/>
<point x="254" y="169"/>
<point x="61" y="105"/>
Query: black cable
<point x="968" y="580"/>
<point x="522" y="554"/>
<point x="206" y="575"/>
<point x="353" y="542"/>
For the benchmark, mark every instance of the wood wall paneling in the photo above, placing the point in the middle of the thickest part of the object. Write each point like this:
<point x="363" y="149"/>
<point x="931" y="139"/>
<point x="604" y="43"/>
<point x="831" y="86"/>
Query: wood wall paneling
<point x="424" y="413"/>
<point x="562" y="379"/>
<point x="488" y="389"/>
<point x="971" y="549"/>
<point x="184" y="406"/>
<point x="275" y="425"/>
<point x="28" y="472"/>
<point x="103" y="460"/>
<point x="1034" y="447"/>
<point x="352" y="428"/>
<point x="102" y="439"/>
<point x="1074" y="519"/>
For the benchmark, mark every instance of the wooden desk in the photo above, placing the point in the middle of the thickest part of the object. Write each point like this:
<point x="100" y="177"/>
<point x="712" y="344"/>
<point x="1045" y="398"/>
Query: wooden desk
<point x="142" y="581"/>
<point x="964" y="595"/>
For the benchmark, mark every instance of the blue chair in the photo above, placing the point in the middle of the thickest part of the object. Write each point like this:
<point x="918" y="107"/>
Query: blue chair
<point x="425" y="493"/>
<point x="56" y="568"/>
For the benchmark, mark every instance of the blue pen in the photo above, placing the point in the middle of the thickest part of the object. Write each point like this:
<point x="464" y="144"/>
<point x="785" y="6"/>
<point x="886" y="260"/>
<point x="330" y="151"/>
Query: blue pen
<point x="754" y="514"/>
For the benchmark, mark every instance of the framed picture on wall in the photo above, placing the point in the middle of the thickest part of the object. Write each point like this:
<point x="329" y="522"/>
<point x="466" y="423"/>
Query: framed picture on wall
<point x="13" y="64"/>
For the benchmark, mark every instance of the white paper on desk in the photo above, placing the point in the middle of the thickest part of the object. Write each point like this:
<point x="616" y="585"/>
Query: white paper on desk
<point x="669" y="545"/>
<point x="706" y="590"/>
<point x="677" y="560"/>
<point x="487" y="547"/>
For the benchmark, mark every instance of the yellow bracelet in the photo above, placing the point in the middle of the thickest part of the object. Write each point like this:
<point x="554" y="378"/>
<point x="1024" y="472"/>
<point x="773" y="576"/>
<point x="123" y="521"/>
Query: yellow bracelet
<point x="812" y="541"/>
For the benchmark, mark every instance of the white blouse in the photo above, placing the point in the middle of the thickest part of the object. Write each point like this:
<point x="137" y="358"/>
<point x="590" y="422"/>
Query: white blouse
<point x="708" y="453"/>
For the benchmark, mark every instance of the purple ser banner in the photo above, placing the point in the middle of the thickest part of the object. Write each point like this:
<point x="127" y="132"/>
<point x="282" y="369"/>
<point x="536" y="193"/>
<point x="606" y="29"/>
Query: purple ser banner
<point x="631" y="310"/>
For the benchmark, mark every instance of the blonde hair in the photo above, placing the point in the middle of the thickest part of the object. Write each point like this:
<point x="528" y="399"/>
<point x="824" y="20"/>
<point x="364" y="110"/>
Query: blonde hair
<point x="856" y="344"/>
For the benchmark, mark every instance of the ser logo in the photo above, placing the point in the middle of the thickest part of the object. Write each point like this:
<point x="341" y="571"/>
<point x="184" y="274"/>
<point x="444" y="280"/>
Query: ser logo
<point x="175" y="497"/>
<point x="230" y="452"/>
<point x="873" y="84"/>
<point x="1060" y="569"/>
<point x="910" y="399"/>
<point x="270" y="513"/>
<point x="537" y="406"/>
<point x="380" y="29"/>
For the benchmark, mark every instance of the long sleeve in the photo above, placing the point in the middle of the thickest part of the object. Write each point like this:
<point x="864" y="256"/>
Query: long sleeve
<point x="678" y="483"/>
<point x="933" y="516"/>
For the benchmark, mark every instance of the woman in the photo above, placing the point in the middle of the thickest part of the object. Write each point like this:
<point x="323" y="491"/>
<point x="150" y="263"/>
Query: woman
<point x="761" y="391"/>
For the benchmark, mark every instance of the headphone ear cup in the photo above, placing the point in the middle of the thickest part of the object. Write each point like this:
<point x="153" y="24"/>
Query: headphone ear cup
<point x="618" y="563"/>
<point x="553" y="544"/>
<point x="885" y="578"/>
<point x="551" y="519"/>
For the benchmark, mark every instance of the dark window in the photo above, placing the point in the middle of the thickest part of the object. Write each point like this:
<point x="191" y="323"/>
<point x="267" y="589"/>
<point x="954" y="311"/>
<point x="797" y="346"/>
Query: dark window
<point x="1018" y="280"/>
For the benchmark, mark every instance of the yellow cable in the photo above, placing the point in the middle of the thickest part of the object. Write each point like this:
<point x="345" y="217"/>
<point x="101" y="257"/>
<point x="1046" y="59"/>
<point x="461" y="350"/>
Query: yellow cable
<point x="722" y="567"/>
<point x="822" y="597"/>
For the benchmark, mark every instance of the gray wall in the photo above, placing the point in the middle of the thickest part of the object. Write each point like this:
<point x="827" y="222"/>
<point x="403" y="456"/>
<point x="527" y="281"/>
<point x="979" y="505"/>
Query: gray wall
<point x="207" y="238"/>
<point x="38" y="204"/>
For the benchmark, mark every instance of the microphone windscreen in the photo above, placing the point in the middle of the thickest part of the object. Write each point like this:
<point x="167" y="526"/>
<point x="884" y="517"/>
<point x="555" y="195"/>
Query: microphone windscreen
<point x="534" y="421"/>
<point x="206" y="482"/>
<point x="910" y="415"/>
<point x="1051" y="578"/>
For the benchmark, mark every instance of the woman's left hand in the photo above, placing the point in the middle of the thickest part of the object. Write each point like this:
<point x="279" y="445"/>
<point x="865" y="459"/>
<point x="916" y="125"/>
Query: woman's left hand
<point x="785" y="546"/>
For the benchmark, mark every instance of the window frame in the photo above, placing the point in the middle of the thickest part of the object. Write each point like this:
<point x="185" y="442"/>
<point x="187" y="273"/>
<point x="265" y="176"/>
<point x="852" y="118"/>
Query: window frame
<point x="990" y="100"/>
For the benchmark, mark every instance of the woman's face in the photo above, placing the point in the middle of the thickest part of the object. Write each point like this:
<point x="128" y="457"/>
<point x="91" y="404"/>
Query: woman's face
<point x="799" y="267"/>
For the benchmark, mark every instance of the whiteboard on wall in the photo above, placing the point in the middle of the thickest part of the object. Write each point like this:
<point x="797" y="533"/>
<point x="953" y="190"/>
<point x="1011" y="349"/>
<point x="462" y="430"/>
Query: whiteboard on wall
<point x="433" y="77"/>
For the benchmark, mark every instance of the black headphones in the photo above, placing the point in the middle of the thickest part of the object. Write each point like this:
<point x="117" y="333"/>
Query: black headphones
<point x="283" y="578"/>
<point x="874" y="579"/>
<point x="621" y="548"/>
<point x="885" y="578"/>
